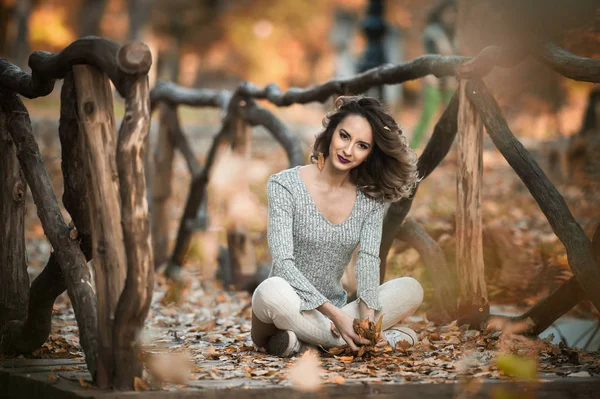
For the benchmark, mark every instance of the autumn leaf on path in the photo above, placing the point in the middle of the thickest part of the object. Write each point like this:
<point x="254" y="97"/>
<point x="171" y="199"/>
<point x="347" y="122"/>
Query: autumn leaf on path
<point x="304" y="374"/>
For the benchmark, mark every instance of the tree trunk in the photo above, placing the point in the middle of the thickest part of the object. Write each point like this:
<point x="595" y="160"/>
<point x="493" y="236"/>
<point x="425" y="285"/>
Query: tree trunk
<point x="14" y="280"/>
<point x="95" y="107"/>
<point x="473" y="306"/>
<point x="134" y="302"/>
<point x="92" y="12"/>
<point x="20" y="51"/>
<point x="161" y="187"/>
<point x="6" y="12"/>
<point x="241" y="250"/>
<point x="138" y="11"/>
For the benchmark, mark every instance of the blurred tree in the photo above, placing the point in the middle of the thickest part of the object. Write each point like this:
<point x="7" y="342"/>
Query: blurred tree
<point x="517" y="24"/>
<point x="138" y="10"/>
<point x="91" y="14"/>
<point x="20" y="51"/>
<point x="6" y="10"/>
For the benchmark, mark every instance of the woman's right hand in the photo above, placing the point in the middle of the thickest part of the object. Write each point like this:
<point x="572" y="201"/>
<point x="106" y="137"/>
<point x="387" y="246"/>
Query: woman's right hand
<point x="344" y="324"/>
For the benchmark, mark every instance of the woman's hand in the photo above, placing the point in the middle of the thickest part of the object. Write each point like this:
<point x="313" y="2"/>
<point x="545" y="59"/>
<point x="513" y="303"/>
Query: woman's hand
<point x="345" y="326"/>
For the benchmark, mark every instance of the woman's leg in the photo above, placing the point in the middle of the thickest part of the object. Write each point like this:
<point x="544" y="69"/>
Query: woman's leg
<point x="276" y="304"/>
<point x="399" y="299"/>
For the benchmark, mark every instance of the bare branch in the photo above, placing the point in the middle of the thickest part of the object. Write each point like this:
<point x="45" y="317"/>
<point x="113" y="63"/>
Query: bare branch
<point x="180" y="140"/>
<point x="173" y="94"/>
<point x="488" y="58"/>
<point x="437" y="65"/>
<point x="256" y="115"/>
<point x="569" y="65"/>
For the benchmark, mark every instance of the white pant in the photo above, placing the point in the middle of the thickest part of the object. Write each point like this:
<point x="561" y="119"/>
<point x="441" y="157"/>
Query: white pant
<point x="275" y="302"/>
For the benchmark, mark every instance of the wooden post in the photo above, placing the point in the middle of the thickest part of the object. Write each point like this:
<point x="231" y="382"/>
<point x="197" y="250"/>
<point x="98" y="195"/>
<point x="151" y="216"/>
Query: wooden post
<point x="66" y="247"/>
<point x="14" y="280"/>
<point x="95" y="108"/>
<point x="134" y="302"/>
<point x="473" y="306"/>
<point x="241" y="250"/>
<point x="161" y="187"/>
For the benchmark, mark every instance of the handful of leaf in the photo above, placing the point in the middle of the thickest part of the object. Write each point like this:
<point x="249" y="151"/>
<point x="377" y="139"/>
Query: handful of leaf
<point x="365" y="329"/>
<point x="368" y="329"/>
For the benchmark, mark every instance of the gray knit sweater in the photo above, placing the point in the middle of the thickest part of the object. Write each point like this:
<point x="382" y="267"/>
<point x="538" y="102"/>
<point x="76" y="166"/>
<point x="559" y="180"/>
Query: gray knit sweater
<point x="311" y="253"/>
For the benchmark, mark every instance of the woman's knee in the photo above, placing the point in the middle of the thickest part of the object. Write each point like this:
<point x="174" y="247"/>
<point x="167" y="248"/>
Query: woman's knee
<point x="266" y="295"/>
<point x="410" y="289"/>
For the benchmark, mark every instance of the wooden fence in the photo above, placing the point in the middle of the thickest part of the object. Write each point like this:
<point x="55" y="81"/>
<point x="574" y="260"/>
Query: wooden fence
<point x="105" y="190"/>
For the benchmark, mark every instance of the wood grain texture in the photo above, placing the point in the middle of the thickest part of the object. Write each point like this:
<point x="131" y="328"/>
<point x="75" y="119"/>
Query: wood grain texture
<point x="134" y="302"/>
<point x="473" y="297"/>
<point x="95" y="108"/>
<point x="164" y="152"/>
<point x="14" y="280"/>
<point x="67" y="251"/>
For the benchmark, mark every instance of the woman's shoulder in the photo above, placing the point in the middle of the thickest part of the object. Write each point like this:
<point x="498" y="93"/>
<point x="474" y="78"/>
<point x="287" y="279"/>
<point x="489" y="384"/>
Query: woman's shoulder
<point x="372" y="203"/>
<point x="284" y="175"/>
<point x="287" y="178"/>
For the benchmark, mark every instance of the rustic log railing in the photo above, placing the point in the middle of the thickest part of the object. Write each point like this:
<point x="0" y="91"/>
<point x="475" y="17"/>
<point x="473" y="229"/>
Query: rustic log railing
<point x="123" y="253"/>
<point x="240" y="112"/>
<point x="104" y="184"/>
<point x="445" y="130"/>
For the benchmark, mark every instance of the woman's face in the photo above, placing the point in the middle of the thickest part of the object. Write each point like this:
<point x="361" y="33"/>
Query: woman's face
<point x="351" y="143"/>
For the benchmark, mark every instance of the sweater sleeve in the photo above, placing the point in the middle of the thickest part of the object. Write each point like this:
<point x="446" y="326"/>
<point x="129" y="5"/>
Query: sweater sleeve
<point x="281" y="245"/>
<point x="367" y="262"/>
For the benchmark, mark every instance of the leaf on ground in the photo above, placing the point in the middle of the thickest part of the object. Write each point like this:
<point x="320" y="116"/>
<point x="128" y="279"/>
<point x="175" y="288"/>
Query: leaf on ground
<point x="304" y="374"/>
<point x="140" y="385"/>
<point x="84" y="383"/>
<point x="336" y="379"/>
<point x="517" y="366"/>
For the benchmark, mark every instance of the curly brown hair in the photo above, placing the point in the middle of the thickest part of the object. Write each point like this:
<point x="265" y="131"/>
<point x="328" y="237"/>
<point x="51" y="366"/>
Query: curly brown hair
<point x="390" y="170"/>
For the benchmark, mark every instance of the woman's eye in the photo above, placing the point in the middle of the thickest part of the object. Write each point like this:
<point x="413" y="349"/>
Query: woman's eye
<point x="343" y="135"/>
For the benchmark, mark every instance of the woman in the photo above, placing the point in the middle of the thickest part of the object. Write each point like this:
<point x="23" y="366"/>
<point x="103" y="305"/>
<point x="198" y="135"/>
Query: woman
<point x="318" y="214"/>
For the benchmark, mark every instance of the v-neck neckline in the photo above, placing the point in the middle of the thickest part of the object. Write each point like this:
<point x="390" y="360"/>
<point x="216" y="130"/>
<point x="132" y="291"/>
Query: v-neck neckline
<point x="314" y="204"/>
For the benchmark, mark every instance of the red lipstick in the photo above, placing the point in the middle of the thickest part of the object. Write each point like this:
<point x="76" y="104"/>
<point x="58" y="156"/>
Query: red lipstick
<point x="342" y="159"/>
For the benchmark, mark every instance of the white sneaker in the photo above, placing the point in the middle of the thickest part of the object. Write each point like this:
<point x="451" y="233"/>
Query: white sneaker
<point x="284" y="344"/>
<point x="396" y="334"/>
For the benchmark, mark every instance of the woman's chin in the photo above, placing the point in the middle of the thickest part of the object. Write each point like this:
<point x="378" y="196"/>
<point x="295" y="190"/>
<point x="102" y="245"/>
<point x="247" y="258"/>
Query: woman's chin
<point x="342" y="166"/>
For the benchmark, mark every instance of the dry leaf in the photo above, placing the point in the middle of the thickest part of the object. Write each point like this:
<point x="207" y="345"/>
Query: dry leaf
<point x="337" y="379"/>
<point x="84" y="384"/>
<point x="304" y="375"/>
<point x="52" y="377"/>
<point x="378" y="327"/>
<point x="140" y="385"/>
<point x="320" y="161"/>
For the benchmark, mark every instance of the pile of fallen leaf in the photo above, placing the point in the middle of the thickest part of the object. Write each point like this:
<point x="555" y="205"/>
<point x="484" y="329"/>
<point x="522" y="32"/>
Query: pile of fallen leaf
<point x="364" y="328"/>
<point x="205" y="339"/>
